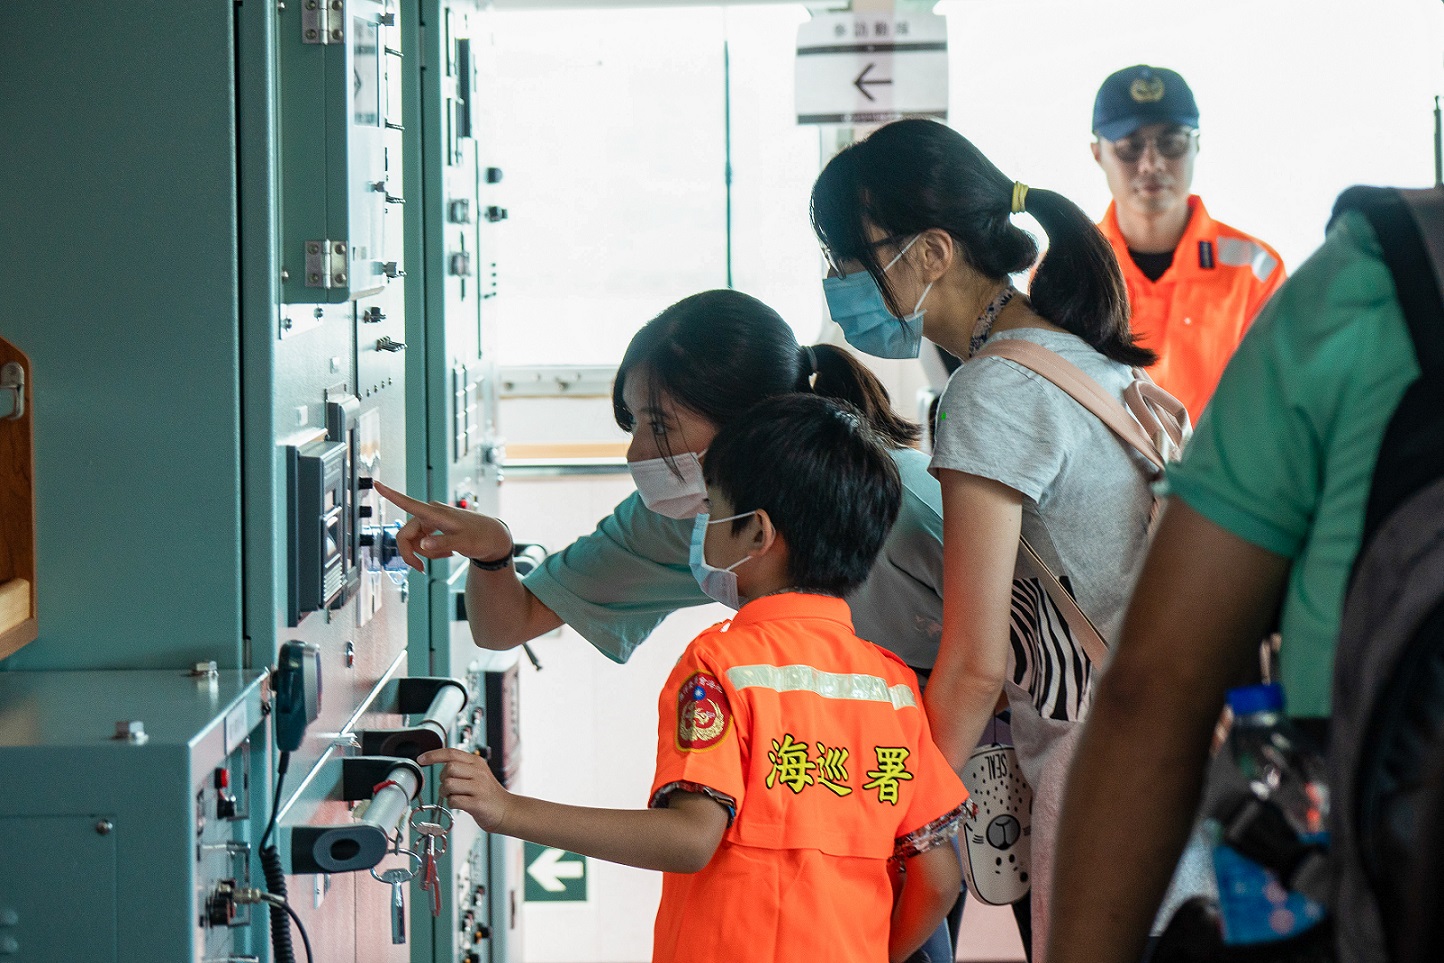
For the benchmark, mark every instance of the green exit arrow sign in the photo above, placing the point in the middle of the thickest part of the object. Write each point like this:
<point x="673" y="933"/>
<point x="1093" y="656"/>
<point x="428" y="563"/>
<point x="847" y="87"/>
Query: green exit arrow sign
<point x="554" y="875"/>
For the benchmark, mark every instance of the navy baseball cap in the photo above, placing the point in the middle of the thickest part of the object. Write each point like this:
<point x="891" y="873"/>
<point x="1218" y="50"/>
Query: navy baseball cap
<point x="1137" y="96"/>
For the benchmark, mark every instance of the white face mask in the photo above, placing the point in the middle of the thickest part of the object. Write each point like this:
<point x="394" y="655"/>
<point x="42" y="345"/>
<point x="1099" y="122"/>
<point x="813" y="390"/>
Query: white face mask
<point x="716" y="583"/>
<point x="671" y="487"/>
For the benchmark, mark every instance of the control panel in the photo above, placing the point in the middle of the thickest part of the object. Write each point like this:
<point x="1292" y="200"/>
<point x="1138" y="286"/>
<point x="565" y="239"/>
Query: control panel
<point x="97" y="764"/>
<point x="341" y="109"/>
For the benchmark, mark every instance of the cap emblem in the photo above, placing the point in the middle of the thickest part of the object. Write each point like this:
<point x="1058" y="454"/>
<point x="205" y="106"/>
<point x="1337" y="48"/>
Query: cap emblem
<point x="1146" y="90"/>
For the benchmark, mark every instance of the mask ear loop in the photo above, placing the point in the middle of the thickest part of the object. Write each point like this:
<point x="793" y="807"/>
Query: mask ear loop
<point x="902" y="252"/>
<point x="917" y="308"/>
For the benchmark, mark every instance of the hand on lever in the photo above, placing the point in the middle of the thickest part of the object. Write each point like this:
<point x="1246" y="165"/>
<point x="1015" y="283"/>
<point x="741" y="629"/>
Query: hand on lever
<point x="437" y="530"/>
<point x="467" y="784"/>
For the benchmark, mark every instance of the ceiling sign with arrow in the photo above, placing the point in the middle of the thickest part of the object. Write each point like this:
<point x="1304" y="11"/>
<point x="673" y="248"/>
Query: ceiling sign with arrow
<point x="855" y="68"/>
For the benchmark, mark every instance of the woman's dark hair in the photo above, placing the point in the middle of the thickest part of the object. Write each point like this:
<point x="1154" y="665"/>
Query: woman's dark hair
<point x="913" y="175"/>
<point x="718" y="353"/>
<point x="823" y="476"/>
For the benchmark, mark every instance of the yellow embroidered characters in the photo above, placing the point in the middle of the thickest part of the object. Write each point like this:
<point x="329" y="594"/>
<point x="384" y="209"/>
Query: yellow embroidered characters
<point x="890" y="772"/>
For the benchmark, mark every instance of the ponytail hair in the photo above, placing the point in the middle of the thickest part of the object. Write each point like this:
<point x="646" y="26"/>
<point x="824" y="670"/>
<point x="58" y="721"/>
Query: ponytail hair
<point x="1079" y="286"/>
<point x="913" y="175"/>
<point x="841" y="377"/>
<point x="719" y="353"/>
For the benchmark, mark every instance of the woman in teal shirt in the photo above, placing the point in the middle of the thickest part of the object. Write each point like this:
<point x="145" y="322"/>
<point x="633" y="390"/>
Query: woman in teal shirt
<point x="693" y="368"/>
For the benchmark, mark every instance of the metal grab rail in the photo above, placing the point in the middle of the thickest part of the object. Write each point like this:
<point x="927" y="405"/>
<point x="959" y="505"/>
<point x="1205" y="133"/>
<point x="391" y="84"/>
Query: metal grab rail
<point x="440" y="699"/>
<point x="391" y="785"/>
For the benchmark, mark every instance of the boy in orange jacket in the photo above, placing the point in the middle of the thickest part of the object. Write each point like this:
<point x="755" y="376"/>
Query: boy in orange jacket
<point x="800" y="809"/>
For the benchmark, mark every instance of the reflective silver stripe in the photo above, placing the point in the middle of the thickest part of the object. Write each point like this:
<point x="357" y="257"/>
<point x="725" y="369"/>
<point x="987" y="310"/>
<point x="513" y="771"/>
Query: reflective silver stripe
<point x="1236" y="252"/>
<point x="829" y="685"/>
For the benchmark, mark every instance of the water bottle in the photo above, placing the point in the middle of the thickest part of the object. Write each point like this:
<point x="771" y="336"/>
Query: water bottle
<point x="1269" y="805"/>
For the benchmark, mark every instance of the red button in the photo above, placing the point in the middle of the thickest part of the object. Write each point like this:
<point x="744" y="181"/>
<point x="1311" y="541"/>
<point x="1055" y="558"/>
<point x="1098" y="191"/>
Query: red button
<point x="223" y="778"/>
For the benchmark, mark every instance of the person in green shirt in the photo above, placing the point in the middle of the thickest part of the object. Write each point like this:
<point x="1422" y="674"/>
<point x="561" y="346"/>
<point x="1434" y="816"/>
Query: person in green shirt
<point x="1265" y="515"/>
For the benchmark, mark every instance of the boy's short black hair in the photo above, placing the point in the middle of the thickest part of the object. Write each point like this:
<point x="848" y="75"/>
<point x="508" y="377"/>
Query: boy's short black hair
<point x="823" y="476"/>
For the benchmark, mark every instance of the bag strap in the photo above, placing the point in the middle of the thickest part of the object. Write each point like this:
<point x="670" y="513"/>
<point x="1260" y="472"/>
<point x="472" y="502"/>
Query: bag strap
<point x="1081" y="388"/>
<point x="1078" y="621"/>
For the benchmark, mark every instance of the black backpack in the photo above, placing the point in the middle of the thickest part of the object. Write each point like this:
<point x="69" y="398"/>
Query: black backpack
<point x="1386" y="733"/>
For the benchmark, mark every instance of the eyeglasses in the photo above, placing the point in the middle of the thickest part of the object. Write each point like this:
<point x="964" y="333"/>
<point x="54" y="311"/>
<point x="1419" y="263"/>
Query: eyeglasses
<point x="835" y="262"/>
<point x="1171" y="144"/>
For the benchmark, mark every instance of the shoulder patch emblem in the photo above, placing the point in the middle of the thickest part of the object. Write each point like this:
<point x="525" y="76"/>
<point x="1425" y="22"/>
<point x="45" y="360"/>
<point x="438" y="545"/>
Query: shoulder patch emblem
<point x="703" y="715"/>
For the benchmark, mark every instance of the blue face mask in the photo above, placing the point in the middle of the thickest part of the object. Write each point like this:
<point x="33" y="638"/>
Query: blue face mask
<point x="856" y="303"/>
<point x="716" y="583"/>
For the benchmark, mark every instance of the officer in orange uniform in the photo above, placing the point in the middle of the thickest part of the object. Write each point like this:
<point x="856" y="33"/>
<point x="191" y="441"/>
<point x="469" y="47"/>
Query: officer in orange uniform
<point x="796" y="773"/>
<point x="1194" y="283"/>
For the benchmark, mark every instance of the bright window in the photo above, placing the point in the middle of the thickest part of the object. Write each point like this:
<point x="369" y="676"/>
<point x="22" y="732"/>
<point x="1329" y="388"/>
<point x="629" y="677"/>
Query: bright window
<point x="614" y="128"/>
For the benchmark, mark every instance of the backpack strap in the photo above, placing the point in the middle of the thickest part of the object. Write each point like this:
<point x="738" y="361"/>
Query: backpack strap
<point x="1081" y="388"/>
<point x="1409" y="226"/>
<point x="1076" y="383"/>
<point x="1078" y="621"/>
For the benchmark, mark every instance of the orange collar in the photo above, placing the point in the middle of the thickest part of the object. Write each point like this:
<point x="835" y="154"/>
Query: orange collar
<point x="794" y="605"/>
<point x="1200" y="227"/>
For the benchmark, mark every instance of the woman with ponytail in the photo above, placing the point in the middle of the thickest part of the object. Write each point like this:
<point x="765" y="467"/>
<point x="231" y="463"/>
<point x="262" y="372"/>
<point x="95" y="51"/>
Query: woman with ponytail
<point x="917" y="225"/>
<point x="697" y="366"/>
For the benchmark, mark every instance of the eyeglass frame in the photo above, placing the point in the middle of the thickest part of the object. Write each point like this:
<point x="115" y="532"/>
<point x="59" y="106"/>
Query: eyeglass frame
<point x="1188" y="135"/>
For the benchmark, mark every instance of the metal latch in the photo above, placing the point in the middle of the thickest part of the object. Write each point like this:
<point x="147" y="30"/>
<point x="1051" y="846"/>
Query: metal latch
<point x="323" y="21"/>
<point x="325" y="264"/>
<point x="12" y="378"/>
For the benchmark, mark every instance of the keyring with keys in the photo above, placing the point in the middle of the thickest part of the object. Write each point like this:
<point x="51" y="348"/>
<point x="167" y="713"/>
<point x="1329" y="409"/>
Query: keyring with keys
<point x="397" y="878"/>
<point x="433" y="833"/>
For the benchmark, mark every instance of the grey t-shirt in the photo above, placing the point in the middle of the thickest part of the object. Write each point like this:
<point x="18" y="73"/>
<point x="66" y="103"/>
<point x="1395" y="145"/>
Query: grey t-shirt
<point x="1086" y="502"/>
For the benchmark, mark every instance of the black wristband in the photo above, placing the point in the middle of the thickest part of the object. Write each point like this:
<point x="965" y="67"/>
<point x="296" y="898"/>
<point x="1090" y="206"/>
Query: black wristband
<point x="494" y="566"/>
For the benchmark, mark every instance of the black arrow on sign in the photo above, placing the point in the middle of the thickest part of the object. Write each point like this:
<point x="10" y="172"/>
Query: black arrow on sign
<point x="861" y="83"/>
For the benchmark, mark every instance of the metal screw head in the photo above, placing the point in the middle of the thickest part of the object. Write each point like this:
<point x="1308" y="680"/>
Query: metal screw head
<point x="313" y="248"/>
<point x="104" y="827"/>
<point x="130" y="730"/>
<point x="340" y="247"/>
<point x="287" y="324"/>
<point x="310" y="4"/>
<point x="350" y="654"/>
<point x="311" y="34"/>
<point x="339" y="278"/>
<point x="315" y="278"/>
<point x="285" y="275"/>
<point x="336" y="34"/>
<point x="336" y="4"/>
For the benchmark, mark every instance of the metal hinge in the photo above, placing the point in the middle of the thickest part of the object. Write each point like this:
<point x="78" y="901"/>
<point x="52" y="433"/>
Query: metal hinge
<point x="323" y="21"/>
<point x="326" y="264"/>
<point x="12" y="378"/>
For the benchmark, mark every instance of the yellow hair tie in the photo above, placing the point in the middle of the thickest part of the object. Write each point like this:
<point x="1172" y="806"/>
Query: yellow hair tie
<point x="1020" y="196"/>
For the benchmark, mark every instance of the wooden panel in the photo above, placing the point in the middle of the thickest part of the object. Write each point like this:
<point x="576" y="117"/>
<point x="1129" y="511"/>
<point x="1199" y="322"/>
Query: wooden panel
<point x="17" y="517"/>
<point x="14" y="603"/>
<point x="539" y="452"/>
